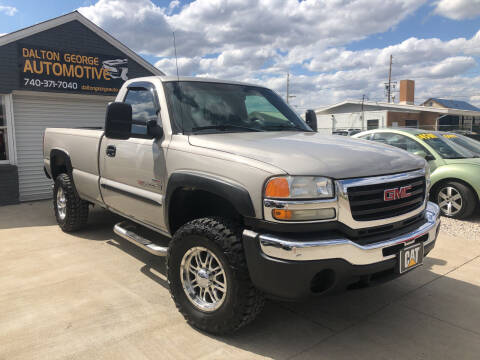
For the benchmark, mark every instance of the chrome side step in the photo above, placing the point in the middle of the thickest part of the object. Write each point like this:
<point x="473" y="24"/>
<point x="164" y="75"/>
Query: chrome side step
<point x="125" y="229"/>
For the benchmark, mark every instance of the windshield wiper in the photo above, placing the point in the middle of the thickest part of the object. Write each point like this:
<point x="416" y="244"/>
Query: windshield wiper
<point x="283" y="127"/>
<point x="224" y="127"/>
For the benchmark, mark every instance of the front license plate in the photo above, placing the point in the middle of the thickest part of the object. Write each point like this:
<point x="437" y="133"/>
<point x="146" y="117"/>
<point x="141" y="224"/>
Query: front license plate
<point x="410" y="257"/>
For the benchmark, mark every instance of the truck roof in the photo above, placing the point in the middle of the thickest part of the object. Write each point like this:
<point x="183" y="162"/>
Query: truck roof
<point x="193" y="78"/>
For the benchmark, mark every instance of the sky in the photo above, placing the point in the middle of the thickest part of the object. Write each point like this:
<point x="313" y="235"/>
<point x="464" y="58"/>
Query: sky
<point x="334" y="50"/>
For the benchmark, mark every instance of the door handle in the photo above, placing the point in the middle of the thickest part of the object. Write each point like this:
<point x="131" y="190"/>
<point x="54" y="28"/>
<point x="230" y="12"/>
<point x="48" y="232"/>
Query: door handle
<point x="111" y="150"/>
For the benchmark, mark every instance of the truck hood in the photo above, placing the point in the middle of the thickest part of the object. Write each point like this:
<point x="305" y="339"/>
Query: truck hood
<point x="308" y="153"/>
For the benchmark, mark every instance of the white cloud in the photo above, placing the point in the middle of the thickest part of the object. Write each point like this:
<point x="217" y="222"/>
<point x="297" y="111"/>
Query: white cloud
<point x="212" y="26"/>
<point x="258" y="41"/>
<point x="458" y="9"/>
<point x="8" y="10"/>
<point x="173" y="5"/>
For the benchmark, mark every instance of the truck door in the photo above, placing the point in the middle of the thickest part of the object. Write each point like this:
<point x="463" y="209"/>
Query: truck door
<point x="133" y="170"/>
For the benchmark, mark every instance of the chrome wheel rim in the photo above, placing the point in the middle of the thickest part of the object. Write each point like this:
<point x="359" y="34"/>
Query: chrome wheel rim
<point x="61" y="203"/>
<point x="450" y="200"/>
<point x="203" y="279"/>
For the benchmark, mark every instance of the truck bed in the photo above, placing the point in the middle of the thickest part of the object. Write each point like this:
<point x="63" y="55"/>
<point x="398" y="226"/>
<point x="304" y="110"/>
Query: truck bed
<point x="82" y="146"/>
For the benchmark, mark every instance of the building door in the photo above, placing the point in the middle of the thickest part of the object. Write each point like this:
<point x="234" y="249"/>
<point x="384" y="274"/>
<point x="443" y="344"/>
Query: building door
<point x="33" y="113"/>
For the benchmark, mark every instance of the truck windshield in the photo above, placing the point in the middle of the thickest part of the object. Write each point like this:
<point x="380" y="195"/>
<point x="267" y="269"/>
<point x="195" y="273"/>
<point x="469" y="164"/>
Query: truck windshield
<point x="446" y="148"/>
<point x="206" y="107"/>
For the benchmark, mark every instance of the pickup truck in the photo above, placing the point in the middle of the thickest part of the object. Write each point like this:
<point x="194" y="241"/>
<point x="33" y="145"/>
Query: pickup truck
<point x="243" y="197"/>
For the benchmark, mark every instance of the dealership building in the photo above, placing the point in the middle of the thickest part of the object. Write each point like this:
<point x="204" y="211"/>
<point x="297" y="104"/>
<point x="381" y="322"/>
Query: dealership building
<point x="59" y="73"/>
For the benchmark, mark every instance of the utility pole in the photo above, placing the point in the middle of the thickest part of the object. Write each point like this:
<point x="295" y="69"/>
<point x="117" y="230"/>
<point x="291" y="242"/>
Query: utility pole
<point x="288" y="88"/>
<point x="288" y="85"/>
<point x="363" y="113"/>
<point x="389" y="79"/>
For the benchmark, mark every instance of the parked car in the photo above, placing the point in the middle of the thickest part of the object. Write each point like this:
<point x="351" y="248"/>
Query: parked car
<point x="462" y="140"/>
<point x="251" y="200"/>
<point x="347" y="132"/>
<point x="455" y="170"/>
<point x="471" y="134"/>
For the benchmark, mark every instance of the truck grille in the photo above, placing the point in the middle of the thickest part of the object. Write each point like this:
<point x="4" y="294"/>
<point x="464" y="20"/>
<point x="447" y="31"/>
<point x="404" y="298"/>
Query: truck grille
<point x="367" y="202"/>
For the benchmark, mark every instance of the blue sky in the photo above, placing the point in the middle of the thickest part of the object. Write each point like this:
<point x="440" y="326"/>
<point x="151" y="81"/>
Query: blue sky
<point x="331" y="58"/>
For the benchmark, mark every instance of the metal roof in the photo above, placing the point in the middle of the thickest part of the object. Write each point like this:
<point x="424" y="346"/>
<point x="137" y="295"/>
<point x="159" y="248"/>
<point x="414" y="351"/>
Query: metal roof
<point x="399" y="107"/>
<point x="455" y="104"/>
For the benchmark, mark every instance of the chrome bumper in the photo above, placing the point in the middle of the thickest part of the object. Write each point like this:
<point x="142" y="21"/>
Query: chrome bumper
<point x="343" y="248"/>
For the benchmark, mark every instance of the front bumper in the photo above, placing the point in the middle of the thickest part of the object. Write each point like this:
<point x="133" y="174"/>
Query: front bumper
<point x="289" y="267"/>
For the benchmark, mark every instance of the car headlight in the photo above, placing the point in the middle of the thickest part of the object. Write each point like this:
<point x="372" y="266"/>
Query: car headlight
<point x="299" y="187"/>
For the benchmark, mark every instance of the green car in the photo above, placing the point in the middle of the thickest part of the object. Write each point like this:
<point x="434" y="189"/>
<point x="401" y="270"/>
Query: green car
<point x="455" y="168"/>
<point x="464" y="141"/>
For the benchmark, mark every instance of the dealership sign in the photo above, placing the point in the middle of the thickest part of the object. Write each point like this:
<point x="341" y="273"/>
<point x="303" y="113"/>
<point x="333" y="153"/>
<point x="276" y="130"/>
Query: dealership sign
<point x="63" y="70"/>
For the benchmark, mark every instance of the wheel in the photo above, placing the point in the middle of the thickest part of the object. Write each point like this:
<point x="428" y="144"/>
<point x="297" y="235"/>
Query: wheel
<point x="71" y="211"/>
<point x="208" y="277"/>
<point x="456" y="200"/>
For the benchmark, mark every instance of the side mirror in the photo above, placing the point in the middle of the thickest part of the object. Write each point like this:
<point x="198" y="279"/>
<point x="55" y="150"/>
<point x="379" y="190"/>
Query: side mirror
<point x="118" y="121"/>
<point x="154" y="130"/>
<point x="311" y="119"/>
<point x="423" y="154"/>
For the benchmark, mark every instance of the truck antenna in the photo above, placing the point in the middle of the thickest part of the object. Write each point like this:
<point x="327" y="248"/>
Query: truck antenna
<point x="178" y="80"/>
<point x="176" y="59"/>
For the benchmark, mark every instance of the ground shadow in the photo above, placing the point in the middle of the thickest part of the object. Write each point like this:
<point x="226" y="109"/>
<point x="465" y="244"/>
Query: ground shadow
<point x="41" y="213"/>
<point x="35" y="213"/>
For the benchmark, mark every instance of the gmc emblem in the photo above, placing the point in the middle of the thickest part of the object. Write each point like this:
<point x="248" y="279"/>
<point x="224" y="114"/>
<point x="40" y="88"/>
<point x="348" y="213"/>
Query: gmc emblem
<point x="397" y="193"/>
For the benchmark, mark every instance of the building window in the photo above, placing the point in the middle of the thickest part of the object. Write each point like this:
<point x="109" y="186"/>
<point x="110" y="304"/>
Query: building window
<point x="3" y="131"/>
<point x="372" y="124"/>
<point x="411" y="123"/>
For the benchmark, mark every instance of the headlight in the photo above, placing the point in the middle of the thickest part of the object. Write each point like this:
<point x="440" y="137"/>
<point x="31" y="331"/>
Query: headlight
<point x="427" y="176"/>
<point x="299" y="187"/>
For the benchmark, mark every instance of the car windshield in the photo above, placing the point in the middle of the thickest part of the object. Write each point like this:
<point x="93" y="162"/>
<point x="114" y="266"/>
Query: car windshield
<point x="445" y="147"/>
<point x="470" y="144"/>
<point x="206" y="107"/>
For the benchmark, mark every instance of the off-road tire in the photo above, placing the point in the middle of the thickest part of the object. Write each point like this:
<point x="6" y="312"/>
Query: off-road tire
<point x="76" y="208"/>
<point x="469" y="199"/>
<point x="243" y="302"/>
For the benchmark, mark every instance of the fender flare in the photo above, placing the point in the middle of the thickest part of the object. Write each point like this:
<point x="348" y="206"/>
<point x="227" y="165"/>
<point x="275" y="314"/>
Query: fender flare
<point x="237" y="195"/>
<point x="60" y="153"/>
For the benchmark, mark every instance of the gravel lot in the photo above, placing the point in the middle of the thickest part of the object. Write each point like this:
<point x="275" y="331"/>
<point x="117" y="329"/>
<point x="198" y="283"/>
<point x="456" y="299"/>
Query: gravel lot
<point x="467" y="229"/>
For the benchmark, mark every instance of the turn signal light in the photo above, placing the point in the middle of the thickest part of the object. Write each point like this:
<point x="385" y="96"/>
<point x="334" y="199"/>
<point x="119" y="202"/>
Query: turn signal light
<point x="281" y="214"/>
<point x="277" y="188"/>
<point x="303" y="215"/>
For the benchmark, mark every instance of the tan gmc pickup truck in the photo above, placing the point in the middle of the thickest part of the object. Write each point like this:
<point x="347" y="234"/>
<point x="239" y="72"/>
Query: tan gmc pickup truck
<point x="244" y="198"/>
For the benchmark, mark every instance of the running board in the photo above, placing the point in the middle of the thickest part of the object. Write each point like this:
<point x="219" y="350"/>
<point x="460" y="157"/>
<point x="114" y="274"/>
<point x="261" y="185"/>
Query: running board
<point x="126" y="230"/>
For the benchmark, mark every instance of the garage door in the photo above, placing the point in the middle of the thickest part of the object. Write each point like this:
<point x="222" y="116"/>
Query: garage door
<point x="34" y="113"/>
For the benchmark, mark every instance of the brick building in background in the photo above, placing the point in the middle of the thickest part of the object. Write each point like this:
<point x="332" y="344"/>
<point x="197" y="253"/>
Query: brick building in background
<point x="434" y="114"/>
